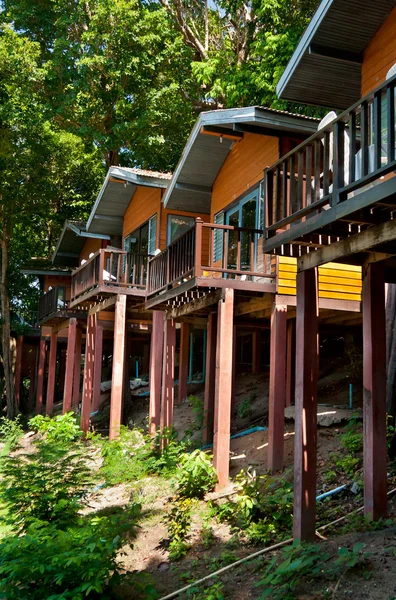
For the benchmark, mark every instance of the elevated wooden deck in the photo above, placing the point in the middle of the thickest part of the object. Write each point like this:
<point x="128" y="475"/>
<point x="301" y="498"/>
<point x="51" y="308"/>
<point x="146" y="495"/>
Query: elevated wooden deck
<point x="106" y="273"/>
<point x="207" y="258"/>
<point x="335" y="186"/>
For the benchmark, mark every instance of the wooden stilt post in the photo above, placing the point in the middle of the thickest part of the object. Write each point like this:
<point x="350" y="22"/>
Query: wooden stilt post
<point x="374" y="391"/>
<point x="210" y="378"/>
<point x="306" y="406"/>
<point x="290" y="361"/>
<point x="86" y="404"/>
<point x="70" y="359"/>
<point x="18" y="369"/>
<point x="256" y="352"/>
<point x="40" y="376"/>
<point x="117" y="381"/>
<point x="183" y="361"/>
<point x="156" y="354"/>
<point x="168" y="375"/>
<point x="49" y="407"/>
<point x="223" y="387"/>
<point x="98" y="357"/>
<point x="77" y="368"/>
<point x="62" y="368"/>
<point x="33" y="378"/>
<point x="233" y="370"/>
<point x="277" y="387"/>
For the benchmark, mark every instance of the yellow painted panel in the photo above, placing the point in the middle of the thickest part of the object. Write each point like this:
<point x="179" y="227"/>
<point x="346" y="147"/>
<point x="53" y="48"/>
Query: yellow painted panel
<point x="339" y="296"/>
<point x="342" y="274"/>
<point x="286" y="291"/>
<point x="335" y="287"/>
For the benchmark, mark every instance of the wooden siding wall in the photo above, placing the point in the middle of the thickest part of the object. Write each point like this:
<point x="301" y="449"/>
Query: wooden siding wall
<point x="145" y="203"/>
<point x="243" y="168"/>
<point x="54" y="280"/>
<point x="336" y="281"/>
<point x="380" y="55"/>
<point x="91" y="246"/>
<point x="164" y="222"/>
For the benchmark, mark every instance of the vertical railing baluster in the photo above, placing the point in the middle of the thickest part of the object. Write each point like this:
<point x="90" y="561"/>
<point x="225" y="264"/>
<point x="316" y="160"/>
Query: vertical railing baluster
<point x="300" y="179"/>
<point x="352" y="147"/>
<point x="277" y="194"/>
<point x="101" y="266"/>
<point x="293" y="187"/>
<point x="269" y="195"/>
<point x="364" y="137"/>
<point x="238" y="235"/>
<point x="284" y="189"/>
<point x="308" y="175"/>
<point x="390" y="121"/>
<point x="339" y="160"/>
<point x="252" y="251"/>
<point x="377" y="129"/>
<point x="318" y="148"/>
<point x="326" y="163"/>
<point x="198" y="247"/>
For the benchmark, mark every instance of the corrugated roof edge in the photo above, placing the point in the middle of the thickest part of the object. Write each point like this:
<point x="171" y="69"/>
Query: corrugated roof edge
<point x="80" y="230"/>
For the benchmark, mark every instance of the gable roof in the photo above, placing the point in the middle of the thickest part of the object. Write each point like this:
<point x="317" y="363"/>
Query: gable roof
<point x="203" y="156"/>
<point x="71" y="242"/>
<point x="117" y="192"/>
<point x="325" y="68"/>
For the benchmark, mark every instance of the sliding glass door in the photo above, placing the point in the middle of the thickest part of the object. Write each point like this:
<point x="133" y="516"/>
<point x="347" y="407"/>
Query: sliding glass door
<point x="244" y="214"/>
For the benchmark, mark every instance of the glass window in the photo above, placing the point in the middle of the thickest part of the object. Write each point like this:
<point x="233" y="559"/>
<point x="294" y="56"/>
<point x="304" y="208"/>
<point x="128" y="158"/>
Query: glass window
<point x="177" y="225"/>
<point x="152" y="235"/>
<point x="218" y="238"/>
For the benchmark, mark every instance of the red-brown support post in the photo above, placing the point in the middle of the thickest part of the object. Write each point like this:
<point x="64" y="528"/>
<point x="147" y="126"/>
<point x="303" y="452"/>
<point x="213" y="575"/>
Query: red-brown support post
<point x="49" y="407"/>
<point x="290" y="357"/>
<point x="117" y="380"/>
<point x="77" y="368"/>
<point x="18" y="369"/>
<point x="256" y="352"/>
<point x="374" y="391"/>
<point x="32" y="377"/>
<point x="306" y="406"/>
<point x="62" y="368"/>
<point x="233" y="372"/>
<point x="70" y="359"/>
<point x="86" y="404"/>
<point x="183" y="361"/>
<point x="277" y="387"/>
<point x="223" y="387"/>
<point x="98" y="357"/>
<point x="40" y="376"/>
<point x="156" y="354"/>
<point x="210" y="378"/>
<point x="168" y="375"/>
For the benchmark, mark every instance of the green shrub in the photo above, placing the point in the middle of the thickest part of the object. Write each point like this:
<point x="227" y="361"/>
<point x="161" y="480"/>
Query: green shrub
<point x="212" y="592"/>
<point x="244" y="408"/>
<point x="178" y="523"/>
<point x="352" y="440"/>
<point x="46" y="485"/>
<point x="196" y="475"/>
<point x="63" y="429"/>
<point x="10" y="432"/>
<point x="57" y="565"/>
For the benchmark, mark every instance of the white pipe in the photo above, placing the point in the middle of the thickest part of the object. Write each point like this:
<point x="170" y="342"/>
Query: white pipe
<point x="259" y="553"/>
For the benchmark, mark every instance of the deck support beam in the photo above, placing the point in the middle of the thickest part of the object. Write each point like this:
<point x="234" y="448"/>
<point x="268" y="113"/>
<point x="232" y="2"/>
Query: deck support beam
<point x="49" y="406"/>
<point x="40" y="376"/>
<point x="98" y="354"/>
<point x="70" y="362"/>
<point x="277" y="387"/>
<point x="156" y="354"/>
<point x="86" y="404"/>
<point x="183" y="362"/>
<point x="77" y="368"/>
<point x="18" y="369"/>
<point x="223" y="387"/>
<point x="306" y="406"/>
<point x="168" y="376"/>
<point x="117" y="379"/>
<point x="374" y="391"/>
<point x="210" y="378"/>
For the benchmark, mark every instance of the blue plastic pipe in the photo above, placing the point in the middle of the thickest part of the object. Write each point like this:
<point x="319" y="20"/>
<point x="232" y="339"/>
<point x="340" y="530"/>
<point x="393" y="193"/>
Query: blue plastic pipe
<point x="330" y="493"/>
<point x="351" y="396"/>
<point x="240" y="434"/>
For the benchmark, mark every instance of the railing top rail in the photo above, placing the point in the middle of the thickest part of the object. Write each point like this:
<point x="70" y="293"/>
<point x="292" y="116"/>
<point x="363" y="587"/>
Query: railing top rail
<point x="328" y="128"/>
<point x="231" y="228"/>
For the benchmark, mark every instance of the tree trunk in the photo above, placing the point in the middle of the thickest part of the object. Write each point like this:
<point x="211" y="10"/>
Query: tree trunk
<point x="12" y="407"/>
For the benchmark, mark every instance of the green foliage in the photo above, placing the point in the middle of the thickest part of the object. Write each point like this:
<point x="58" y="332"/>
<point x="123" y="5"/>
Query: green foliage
<point x="244" y="409"/>
<point x="178" y="523"/>
<point x="197" y="406"/>
<point x="207" y="536"/>
<point x="78" y="563"/>
<point x="196" y="475"/>
<point x="330" y="476"/>
<point x="345" y="464"/>
<point x="214" y="591"/>
<point x="300" y="562"/>
<point x="11" y="432"/>
<point x="46" y="485"/>
<point x="62" y="429"/>
<point x="352" y="440"/>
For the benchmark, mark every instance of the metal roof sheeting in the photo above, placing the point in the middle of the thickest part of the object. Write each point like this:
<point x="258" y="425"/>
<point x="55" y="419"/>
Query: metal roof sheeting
<point x="71" y="242"/>
<point x="325" y="68"/>
<point x="190" y="188"/>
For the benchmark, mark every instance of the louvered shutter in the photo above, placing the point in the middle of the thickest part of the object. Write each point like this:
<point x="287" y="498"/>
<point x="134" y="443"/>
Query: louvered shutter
<point x="152" y="235"/>
<point x="218" y="238"/>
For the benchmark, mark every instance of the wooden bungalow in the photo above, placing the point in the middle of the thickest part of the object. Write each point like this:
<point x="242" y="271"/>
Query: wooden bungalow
<point x="332" y="199"/>
<point x="217" y="270"/>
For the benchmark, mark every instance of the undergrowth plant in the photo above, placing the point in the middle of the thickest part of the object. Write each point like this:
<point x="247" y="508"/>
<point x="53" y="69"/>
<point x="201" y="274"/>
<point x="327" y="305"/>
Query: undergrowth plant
<point x="245" y="408"/>
<point x="178" y="523"/>
<point x="196" y="475"/>
<point x="47" y="485"/>
<point x="62" y="429"/>
<point x="10" y="433"/>
<point x="214" y="591"/>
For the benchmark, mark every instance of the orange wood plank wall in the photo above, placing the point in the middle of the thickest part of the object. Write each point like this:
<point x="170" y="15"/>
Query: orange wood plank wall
<point x="243" y="168"/>
<point x="380" y="55"/>
<point x="91" y="246"/>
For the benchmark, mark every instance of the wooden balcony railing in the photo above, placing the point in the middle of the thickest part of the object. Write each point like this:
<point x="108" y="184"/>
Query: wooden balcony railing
<point x="338" y="161"/>
<point x="206" y="250"/>
<point x="51" y="302"/>
<point x="110" y="268"/>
